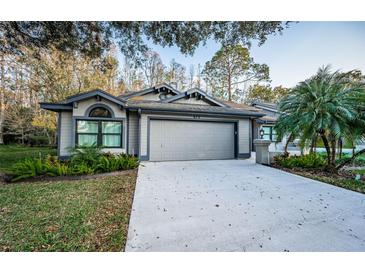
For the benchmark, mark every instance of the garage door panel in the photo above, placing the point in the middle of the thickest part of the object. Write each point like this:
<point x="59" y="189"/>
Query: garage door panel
<point x="190" y="140"/>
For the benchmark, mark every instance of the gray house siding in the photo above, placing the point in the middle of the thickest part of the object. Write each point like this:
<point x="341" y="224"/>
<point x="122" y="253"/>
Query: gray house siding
<point x="255" y="132"/>
<point x="244" y="134"/>
<point x="133" y="129"/>
<point x="65" y="136"/>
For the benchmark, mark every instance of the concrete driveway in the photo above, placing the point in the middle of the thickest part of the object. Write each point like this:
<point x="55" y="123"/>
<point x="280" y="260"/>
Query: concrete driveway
<point x="237" y="205"/>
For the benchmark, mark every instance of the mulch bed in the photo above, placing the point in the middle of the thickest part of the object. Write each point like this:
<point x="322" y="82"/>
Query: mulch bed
<point x="342" y="174"/>
<point x="344" y="178"/>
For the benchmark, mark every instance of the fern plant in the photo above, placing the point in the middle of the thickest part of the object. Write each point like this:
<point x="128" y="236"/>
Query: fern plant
<point x="84" y="161"/>
<point x="58" y="169"/>
<point x="82" y="168"/>
<point x="28" y="168"/>
<point x="88" y="155"/>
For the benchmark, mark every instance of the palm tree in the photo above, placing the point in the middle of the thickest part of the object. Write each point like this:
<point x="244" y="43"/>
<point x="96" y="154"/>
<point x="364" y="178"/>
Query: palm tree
<point x="324" y="106"/>
<point x="355" y="133"/>
<point x="287" y="126"/>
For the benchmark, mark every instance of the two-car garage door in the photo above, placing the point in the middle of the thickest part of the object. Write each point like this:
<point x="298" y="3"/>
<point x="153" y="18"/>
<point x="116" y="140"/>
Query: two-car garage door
<point x="191" y="140"/>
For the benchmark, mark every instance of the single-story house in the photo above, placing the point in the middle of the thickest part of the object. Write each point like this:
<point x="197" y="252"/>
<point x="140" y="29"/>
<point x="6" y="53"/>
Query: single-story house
<point x="157" y="124"/>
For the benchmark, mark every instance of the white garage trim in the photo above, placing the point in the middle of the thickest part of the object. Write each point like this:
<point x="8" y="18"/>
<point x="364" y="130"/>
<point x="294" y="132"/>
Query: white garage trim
<point x="234" y="132"/>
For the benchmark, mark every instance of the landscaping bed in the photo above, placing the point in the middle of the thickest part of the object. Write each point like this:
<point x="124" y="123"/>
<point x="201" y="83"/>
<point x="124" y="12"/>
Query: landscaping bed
<point x="83" y="215"/>
<point x="312" y="166"/>
<point x="83" y="161"/>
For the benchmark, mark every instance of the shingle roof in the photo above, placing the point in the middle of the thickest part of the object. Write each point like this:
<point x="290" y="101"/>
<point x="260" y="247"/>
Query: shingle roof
<point x="268" y="118"/>
<point x="240" y="106"/>
<point x="227" y="108"/>
<point x="202" y="93"/>
<point x="131" y="94"/>
<point x="266" y="104"/>
<point x="176" y="107"/>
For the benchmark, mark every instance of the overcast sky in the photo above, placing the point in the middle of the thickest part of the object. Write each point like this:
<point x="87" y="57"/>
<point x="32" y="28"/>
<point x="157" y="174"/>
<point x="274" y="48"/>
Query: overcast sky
<point x="297" y="53"/>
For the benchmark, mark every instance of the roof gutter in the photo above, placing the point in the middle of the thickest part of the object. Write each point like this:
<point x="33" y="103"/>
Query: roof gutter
<point x="55" y="107"/>
<point x="246" y="115"/>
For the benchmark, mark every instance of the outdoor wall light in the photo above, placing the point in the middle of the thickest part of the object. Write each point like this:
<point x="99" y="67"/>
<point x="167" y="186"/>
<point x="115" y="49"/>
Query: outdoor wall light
<point x="262" y="133"/>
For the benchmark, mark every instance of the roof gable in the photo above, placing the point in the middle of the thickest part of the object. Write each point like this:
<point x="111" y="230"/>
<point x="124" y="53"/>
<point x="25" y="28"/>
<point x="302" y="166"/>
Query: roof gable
<point x="267" y="106"/>
<point x="162" y="88"/>
<point x="199" y="95"/>
<point x="67" y="105"/>
<point x="95" y="93"/>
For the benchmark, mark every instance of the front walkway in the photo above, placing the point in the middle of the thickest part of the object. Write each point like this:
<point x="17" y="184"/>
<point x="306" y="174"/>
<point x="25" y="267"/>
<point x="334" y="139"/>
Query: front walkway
<point x="237" y="205"/>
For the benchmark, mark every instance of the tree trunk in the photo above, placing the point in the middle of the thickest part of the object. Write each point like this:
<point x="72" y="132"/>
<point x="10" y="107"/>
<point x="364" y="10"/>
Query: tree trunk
<point x="351" y="159"/>
<point x="229" y="88"/>
<point x="313" y="144"/>
<point x="328" y="150"/>
<point x="199" y="77"/>
<point x="333" y="151"/>
<point x="22" y="132"/>
<point x="340" y="146"/>
<point x="2" y="99"/>
<point x="287" y="144"/>
<point x="49" y="137"/>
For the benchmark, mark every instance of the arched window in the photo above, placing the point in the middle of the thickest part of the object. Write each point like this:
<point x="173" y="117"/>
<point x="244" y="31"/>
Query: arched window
<point x="101" y="129"/>
<point x="100" y="112"/>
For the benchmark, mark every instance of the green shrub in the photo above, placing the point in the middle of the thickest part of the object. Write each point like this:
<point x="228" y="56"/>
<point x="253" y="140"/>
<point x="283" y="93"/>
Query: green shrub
<point x="108" y="163"/>
<point x="311" y="160"/>
<point x="358" y="161"/>
<point x="28" y="168"/>
<point x="127" y="161"/>
<point x="58" y="169"/>
<point x="35" y="140"/>
<point x="86" y="155"/>
<point x="82" y="168"/>
<point x="83" y="161"/>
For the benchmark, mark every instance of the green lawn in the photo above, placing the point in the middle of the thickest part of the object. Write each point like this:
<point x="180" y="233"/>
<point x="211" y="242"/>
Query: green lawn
<point x="10" y="154"/>
<point x="82" y="215"/>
